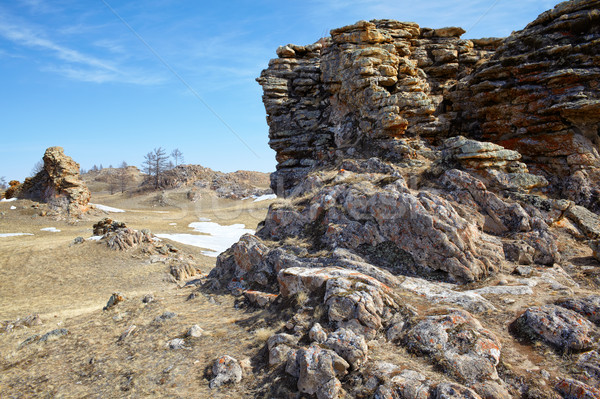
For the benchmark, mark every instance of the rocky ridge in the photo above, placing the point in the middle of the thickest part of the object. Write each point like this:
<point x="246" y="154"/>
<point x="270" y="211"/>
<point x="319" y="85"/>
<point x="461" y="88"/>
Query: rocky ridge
<point x="236" y="185"/>
<point x="439" y="199"/>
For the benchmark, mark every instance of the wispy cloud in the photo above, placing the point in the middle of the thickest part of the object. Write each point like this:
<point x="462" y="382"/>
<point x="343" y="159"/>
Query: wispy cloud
<point x="72" y="63"/>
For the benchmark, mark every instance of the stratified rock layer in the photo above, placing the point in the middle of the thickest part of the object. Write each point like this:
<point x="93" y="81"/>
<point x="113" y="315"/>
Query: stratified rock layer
<point x="351" y="94"/>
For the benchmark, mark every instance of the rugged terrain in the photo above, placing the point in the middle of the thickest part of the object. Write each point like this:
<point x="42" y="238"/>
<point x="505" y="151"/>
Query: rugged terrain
<point x="436" y="236"/>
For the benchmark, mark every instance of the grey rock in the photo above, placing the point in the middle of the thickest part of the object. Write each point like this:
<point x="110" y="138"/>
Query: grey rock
<point x="458" y="343"/>
<point x="317" y="333"/>
<point x="319" y="370"/>
<point x="352" y="347"/>
<point x="589" y="306"/>
<point x="587" y="221"/>
<point x="195" y="331"/>
<point x="558" y="326"/>
<point x="176" y="343"/>
<point x="573" y="389"/>
<point x="225" y="369"/>
<point x="54" y="335"/>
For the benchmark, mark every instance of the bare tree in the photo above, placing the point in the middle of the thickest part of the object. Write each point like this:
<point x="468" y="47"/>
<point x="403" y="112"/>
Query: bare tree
<point x="113" y="183"/>
<point x="37" y="168"/>
<point x="155" y="163"/>
<point x="177" y="156"/>
<point x="123" y="176"/>
<point x="3" y="185"/>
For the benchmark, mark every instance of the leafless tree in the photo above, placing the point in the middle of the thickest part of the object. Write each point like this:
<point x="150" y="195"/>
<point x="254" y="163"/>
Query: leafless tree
<point x="123" y="177"/>
<point x="113" y="183"/>
<point x="177" y="156"/>
<point x="37" y="168"/>
<point x="3" y="185"/>
<point x="155" y="163"/>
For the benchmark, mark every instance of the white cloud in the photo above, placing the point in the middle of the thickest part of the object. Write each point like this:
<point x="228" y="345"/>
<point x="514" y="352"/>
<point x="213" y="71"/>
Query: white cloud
<point x="75" y="64"/>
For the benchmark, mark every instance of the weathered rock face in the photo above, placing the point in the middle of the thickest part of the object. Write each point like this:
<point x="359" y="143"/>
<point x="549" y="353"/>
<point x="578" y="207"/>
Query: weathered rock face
<point x="539" y="95"/>
<point x="58" y="184"/>
<point x="359" y="89"/>
<point x="353" y="93"/>
<point x="412" y="162"/>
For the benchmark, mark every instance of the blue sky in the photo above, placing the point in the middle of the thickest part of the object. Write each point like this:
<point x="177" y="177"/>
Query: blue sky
<point x="73" y="74"/>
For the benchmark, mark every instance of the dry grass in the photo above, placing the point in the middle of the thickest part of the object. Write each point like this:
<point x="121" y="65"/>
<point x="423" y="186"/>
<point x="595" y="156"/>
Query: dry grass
<point x="69" y="284"/>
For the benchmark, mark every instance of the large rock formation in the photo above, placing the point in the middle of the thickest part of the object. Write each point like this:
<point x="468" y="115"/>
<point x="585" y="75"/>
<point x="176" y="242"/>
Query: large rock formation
<point x="411" y="162"/>
<point x="58" y="184"/>
<point x="355" y="93"/>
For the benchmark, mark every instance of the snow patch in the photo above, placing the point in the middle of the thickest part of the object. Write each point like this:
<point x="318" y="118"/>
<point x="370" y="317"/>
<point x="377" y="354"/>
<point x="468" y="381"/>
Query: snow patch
<point x="107" y="208"/>
<point x="8" y="200"/>
<point x="13" y="207"/>
<point x="95" y="238"/>
<point x="215" y="238"/>
<point x="51" y="229"/>
<point x="172" y="224"/>
<point x="14" y="234"/>
<point x="265" y="197"/>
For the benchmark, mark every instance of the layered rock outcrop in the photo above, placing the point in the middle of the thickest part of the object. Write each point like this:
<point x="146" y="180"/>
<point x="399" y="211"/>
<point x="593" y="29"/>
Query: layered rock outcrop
<point x="412" y="162"/>
<point x="58" y="184"/>
<point x="369" y="83"/>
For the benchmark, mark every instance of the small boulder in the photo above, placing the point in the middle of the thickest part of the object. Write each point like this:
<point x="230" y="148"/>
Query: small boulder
<point x="352" y="347"/>
<point x="458" y="343"/>
<point x="114" y="299"/>
<point x="317" y="334"/>
<point x="225" y="369"/>
<point x="194" y="331"/>
<point x="558" y="326"/>
<point x="280" y="347"/>
<point x="176" y="343"/>
<point x="318" y="371"/>
<point x="573" y="389"/>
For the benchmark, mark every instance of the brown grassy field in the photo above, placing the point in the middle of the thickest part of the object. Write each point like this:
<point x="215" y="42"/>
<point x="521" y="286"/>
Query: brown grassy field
<point x="67" y="285"/>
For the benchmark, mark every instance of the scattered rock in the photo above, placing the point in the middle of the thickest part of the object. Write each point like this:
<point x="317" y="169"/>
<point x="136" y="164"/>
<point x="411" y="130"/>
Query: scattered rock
<point x="148" y="298"/>
<point x="54" y="335"/>
<point x="558" y="326"/>
<point x="573" y="389"/>
<point x="225" y="369"/>
<point x="176" y="343"/>
<point x="280" y="348"/>
<point x="458" y="343"/>
<point x="165" y="316"/>
<point x="195" y="331"/>
<point x="260" y="299"/>
<point x="318" y="370"/>
<point x="114" y="299"/>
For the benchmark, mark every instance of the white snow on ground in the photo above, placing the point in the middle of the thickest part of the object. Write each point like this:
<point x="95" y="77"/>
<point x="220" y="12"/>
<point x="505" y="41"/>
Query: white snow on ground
<point x="95" y="238"/>
<point x="13" y="207"/>
<point x="51" y="229"/>
<point x="8" y="200"/>
<point x="107" y="208"/>
<point x="265" y="197"/>
<point x="214" y="237"/>
<point x="172" y="224"/>
<point x="14" y="234"/>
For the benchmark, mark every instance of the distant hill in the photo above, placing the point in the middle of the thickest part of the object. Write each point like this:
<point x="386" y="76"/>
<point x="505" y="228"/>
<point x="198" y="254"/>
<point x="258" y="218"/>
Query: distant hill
<point x="235" y="185"/>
